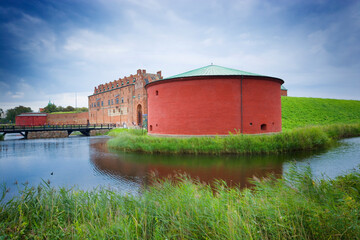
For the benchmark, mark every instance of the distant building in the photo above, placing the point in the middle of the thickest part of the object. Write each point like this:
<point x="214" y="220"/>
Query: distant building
<point x="283" y="91"/>
<point x="214" y="100"/>
<point x="31" y="119"/>
<point x="123" y="101"/>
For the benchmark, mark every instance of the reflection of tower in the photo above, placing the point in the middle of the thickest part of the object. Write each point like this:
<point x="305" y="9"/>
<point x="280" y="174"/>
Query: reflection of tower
<point x="234" y="170"/>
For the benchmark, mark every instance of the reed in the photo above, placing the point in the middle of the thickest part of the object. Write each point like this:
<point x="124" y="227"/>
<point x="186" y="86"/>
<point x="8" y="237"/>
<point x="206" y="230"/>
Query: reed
<point x="296" y="207"/>
<point x="307" y="138"/>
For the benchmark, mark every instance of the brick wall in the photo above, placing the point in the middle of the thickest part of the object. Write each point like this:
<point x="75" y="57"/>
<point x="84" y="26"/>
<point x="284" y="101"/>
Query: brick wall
<point x="68" y="118"/>
<point x="123" y="101"/>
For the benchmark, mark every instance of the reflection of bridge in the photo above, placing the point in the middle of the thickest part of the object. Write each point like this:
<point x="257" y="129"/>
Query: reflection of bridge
<point x="25" y="130"/>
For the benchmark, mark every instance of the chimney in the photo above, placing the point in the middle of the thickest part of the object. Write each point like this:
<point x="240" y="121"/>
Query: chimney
<point x="159" y="74"/>
<point x="139" y="71"/>
<point x="144" y="71"/>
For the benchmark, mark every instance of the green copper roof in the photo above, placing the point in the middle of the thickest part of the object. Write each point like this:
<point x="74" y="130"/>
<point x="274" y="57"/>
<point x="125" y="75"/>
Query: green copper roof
<point x="213" y="70"/>
<point x="283" y="88"/>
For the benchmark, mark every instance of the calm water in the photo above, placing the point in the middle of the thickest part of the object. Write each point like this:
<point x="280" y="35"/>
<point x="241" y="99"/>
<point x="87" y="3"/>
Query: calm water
<point x="85" y="163"/>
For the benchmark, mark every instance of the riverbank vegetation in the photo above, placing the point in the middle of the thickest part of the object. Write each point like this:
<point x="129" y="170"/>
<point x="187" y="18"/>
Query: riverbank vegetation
<point x="1" y="137"/>
<point x="298" y="139"/>
<point x="296" y="206"/>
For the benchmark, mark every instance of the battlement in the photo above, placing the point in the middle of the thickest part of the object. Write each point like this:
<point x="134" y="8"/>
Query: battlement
<point x="127" y="80"/>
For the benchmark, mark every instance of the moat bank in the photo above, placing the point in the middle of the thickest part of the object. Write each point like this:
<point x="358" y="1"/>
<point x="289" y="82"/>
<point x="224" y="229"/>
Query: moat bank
<point x="298" y="139"/>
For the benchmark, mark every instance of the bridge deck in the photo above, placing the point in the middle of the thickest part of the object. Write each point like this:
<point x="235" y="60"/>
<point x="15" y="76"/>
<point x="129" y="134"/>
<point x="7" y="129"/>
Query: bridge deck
<point x="70" y="128"/>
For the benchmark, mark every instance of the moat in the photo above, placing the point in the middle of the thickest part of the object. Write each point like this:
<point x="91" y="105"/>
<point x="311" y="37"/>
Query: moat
<point x="86" y="163"/>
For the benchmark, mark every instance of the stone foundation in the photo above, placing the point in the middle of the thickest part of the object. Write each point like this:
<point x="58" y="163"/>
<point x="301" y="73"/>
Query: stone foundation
<point x="98" y="132"/>
<point x="47" y="134"/>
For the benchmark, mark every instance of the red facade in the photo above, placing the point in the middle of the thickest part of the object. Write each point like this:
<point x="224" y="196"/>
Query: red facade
<point x="214" y="105"/>
<point x="31" y="119"/>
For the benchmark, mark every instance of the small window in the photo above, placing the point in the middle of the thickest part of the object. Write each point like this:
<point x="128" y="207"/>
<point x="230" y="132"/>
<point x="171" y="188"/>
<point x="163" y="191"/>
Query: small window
<point x="157" y="93"/>
<point x="127" y="82"/>
<point x="134" y="80"/>
<point x="122" y="83"/>
<point x="250" y="124"/>
<point x="112" y="101"/>
<point x="102" y="103"/>
<point x="117" y="85"/>
<point x="122" y="100"/>
<point x="109" y="102"/>
<point x="150" y="127"/>
<point x="117" y="101"/>
<point x="263" y="127"/>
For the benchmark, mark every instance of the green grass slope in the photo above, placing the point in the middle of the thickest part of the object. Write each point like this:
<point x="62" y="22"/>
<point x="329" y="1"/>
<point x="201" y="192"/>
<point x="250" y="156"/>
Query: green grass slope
<point x="300" y="111"/>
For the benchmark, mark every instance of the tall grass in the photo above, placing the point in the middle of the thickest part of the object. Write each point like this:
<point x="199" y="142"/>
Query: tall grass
<point x="295" y="140"/>
<point x="296" y="207"/>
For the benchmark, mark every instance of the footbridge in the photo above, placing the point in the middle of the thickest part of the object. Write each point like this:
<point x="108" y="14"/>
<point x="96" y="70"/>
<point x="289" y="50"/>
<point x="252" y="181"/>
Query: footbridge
<point x="50" y="131"/>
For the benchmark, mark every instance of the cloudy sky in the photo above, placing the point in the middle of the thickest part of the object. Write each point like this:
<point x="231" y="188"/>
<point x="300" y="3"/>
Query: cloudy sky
<point x="54" y="50"/>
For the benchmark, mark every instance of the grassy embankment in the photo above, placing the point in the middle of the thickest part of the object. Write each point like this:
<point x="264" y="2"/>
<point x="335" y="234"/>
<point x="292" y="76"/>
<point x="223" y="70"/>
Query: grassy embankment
<point x="295" y="207"/>
<point x="308" y="123"/>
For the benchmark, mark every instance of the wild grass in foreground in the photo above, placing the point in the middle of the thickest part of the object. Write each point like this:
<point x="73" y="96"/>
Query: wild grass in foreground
<point x="296" y="207"/>
<point x="292" y="140"/>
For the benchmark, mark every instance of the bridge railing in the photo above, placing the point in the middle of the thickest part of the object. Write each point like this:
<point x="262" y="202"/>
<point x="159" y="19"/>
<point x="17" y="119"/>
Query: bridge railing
<point x="56" y="127"/>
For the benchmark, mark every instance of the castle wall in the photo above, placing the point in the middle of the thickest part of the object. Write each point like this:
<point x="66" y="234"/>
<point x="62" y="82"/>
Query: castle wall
<point x="68" y="118"/>
<point x="121" y="102"/>
<point x="214" y="105"/>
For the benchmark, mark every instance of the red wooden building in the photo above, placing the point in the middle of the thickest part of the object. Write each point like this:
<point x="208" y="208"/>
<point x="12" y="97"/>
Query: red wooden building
<point x="214" y="100"/>
<point x="31" y="119"/>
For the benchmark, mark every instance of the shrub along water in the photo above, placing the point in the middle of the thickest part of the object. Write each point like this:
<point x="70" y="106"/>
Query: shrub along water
<point x="292" y="140"/>
<point x="296" y="206"/>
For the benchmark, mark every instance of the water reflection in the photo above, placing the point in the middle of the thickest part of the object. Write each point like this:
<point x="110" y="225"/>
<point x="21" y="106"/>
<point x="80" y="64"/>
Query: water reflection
<point x="86" y="163"/>
<point x="235" y="170"/>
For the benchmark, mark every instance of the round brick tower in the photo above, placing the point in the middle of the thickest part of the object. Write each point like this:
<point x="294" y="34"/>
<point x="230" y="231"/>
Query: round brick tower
<point x="214" y="100"/>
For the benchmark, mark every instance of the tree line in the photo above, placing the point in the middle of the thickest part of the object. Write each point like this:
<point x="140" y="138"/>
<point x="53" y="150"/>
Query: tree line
<point x="8" y="117"/>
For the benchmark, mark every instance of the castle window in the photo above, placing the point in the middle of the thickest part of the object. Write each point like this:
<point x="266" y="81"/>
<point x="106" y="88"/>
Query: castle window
<point x="263" y="126"/>
<point x="134" y="80"/>
<point x="122" y="100"/>
<point x="122" y="83"/>
<point x="102" y="103"/>
<point x="156" y="92"/>
<point x="112" y="101"/>
<point x="109" y="102"/>
<point x="117" y="85"/>
<point x="150" y="127"/>
<point x="138" y="96"/>
<point x="127" y="82"/>
<point x="98" y="104"/>
<point x="117" y="101"/>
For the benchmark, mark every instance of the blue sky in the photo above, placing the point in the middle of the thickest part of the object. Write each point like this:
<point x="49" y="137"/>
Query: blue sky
<point x="52" y="50"/>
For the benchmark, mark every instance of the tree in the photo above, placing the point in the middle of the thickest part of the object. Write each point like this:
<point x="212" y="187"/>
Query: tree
<point x="50" y="108"/>
<point x="13" y="112"/>
<point x="1" y="113"/>
<point x="69" y="109"/>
